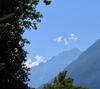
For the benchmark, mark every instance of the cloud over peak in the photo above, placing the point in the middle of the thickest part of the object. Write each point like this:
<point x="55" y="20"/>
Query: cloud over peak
<point x="38" y="60"/>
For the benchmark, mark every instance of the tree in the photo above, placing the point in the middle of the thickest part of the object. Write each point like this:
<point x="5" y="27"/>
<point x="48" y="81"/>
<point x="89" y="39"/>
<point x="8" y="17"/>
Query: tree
<point x="1" y="66"/>
<point x="14" y="73"/>
<point x="62" y="81"/>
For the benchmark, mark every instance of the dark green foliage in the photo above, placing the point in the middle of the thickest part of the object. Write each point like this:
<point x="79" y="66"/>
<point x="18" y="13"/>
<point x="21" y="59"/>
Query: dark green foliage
<point x="62" y="82"/>
<point x="13" y="72"/>
<point x="47" y="2"/>
<point x="1" y="66"/>
<point x="4" y="4"/>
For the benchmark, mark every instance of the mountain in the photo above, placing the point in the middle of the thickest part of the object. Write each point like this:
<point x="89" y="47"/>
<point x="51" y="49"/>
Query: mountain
<point x="86" y="69"/>
<point x="47" y="71"/>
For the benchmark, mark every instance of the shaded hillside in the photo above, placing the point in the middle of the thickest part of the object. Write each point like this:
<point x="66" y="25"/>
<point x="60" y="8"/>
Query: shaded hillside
<point x="86" y="69"/>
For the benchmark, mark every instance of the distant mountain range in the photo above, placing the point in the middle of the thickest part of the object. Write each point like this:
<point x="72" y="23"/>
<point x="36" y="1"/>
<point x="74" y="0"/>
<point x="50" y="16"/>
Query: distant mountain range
<point x="86" y="69"/>
<point x="47" y="71"/>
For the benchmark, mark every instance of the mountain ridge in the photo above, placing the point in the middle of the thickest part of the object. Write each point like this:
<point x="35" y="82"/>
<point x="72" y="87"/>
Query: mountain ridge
<point x="47" y="71"/>
<point x="86" y="69"/>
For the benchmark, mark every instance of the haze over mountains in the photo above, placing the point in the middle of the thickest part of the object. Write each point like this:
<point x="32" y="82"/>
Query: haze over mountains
<point x="47" y="71"/>
<point x="86" y="69"/>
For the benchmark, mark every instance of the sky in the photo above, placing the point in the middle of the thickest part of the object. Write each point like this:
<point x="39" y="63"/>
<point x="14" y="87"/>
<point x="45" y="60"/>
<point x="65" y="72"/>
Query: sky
<point x="66" y="24"/>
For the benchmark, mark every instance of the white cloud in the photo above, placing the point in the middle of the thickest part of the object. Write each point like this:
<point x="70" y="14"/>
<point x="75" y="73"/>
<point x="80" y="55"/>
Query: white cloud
<point x="66" y="40"/>
<point x="37" y="62"/>
<point x="73" y="37"/>
<point x="59" y="39"/>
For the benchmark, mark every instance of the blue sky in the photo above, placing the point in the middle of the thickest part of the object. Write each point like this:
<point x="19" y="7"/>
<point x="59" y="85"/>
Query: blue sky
<point x="61" y="19"/>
